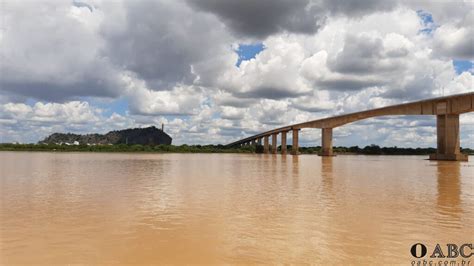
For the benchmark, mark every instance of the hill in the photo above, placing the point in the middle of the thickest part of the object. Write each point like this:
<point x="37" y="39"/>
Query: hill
<point x="143" y="136"/>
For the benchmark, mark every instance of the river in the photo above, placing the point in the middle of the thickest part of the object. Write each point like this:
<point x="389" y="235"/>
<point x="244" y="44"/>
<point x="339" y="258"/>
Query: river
<point x="229" y="208"/>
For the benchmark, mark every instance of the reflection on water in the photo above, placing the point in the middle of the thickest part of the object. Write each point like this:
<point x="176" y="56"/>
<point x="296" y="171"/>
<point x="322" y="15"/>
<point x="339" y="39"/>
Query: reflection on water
<point x="449" y="192"/>
<point x="225" y="208"/>
<point x="326" y="174"/>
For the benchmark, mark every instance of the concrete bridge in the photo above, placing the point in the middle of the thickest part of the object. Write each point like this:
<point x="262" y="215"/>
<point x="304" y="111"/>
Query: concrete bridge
<point x="446" y="109"/>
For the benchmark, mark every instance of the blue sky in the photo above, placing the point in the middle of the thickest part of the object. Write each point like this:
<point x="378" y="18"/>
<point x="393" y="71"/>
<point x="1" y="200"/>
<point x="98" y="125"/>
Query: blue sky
<point x="462" y="65"/>
<point x="427" y="21"/>
<point x="248" y="51"/>
<point x="99" y="66"/>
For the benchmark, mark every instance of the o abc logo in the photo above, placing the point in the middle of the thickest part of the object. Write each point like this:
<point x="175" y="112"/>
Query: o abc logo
<point x="419" y="250"/>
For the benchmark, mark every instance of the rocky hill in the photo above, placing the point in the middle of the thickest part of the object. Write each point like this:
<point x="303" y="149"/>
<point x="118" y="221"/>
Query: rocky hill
<point x="143" y="136"/>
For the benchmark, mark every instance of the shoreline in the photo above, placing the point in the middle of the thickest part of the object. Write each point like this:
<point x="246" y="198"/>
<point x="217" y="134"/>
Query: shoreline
<point x="164" y="149"/>
<point x="234" y="153"/>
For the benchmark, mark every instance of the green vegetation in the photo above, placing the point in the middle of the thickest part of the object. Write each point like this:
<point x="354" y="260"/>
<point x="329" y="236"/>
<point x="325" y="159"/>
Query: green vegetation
<point x="372" y="149"/>
<point x="377" y="150"/>
<point x="126" y="148"/>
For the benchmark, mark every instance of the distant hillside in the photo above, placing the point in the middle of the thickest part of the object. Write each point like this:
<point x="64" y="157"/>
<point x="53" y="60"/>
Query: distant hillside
<point x="143" y="136"/>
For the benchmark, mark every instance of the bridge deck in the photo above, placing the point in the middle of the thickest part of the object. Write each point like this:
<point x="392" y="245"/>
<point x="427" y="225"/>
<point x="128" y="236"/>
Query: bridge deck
<point x="454" y="104"/>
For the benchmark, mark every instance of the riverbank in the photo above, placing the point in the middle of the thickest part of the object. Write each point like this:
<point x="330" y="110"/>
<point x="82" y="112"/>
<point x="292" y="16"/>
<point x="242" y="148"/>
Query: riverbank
<point x="367" y="150"/>
<point x="126" y="148"/>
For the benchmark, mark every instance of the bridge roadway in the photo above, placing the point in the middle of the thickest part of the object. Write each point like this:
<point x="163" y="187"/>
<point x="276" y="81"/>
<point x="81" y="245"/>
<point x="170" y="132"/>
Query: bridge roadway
<point x="446" y="109"/>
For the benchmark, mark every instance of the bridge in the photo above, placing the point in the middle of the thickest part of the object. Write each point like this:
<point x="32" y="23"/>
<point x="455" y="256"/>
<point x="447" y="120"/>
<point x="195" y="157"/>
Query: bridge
<point x="446" y="109"/>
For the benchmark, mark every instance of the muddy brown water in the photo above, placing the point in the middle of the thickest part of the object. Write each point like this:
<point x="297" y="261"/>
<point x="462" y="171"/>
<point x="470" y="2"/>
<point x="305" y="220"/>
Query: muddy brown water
<point x="229" y="208"/>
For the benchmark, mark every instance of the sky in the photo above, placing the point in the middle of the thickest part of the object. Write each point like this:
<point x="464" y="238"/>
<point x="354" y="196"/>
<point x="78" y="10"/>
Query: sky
<point x="214" y="71"/>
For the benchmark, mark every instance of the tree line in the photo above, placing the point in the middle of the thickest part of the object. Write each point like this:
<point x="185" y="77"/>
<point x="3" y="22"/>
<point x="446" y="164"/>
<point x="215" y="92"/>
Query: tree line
<point x="369" y="150"/>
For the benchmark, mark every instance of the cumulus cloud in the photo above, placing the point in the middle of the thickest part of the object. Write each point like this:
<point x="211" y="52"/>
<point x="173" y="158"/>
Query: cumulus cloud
<point x="224" y="98"/>
<point x="319" y="101"/>
<point x="452" y="28"/>
<point x="179" y="101"/>
<point x="232" y="113"/>
<point x="22" y="122"/>
<point x="359" y="7"/>
<point x="366" y="53"/>
<point x="456" y="40"/>
<point x="174" y="62"/>
<point x="273" y="74"/>
<point x="50" y="50"/>
<point x="166" y="42"/>
<point x="72" y="112"/>
<point x="259" y="19"/>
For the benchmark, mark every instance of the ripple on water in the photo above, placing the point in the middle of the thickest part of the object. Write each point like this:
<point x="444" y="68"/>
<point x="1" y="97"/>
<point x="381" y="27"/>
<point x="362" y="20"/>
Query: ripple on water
<point x="225" y="208"/>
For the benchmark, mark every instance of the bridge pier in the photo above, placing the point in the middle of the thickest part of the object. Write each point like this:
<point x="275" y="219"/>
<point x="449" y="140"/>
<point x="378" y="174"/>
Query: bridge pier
<point x="283" y="142"/>
<point x="447" y="110"/>
<point x="294" y="148"/>
<point x="274" y="143"/>
<point x="265" y="144"/>
<point x="259" y="141"/>
<point x="447" y="130"/>
<point x="326" y="142"/>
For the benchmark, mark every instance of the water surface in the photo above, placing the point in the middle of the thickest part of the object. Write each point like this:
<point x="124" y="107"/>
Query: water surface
<point x="228" y="208"/>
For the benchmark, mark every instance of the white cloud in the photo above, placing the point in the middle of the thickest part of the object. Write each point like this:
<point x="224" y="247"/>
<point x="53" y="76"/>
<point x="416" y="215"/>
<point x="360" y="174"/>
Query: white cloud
<point x="74" y="112"/>
<point x="166" y="43"/>
<point x="273" y="74"/>
<point x="181" y="100"/>
<point x="21" y="122"/>
<point x="51" y="50"/>
<point x="232" y="113"/>
<point x="173" y="62"/>
<point x="456" y="41"/>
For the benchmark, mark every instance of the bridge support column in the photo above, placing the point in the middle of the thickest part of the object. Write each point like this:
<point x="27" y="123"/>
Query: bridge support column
<point x="283" y="142"/>
<point x="447" y="129"/>
<point x="265" y="144"/>
<point x="294" y="148"/>
<point x="274" y="143"/>
<point x="326" y="145"/>
<point x="259" y="141"/>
